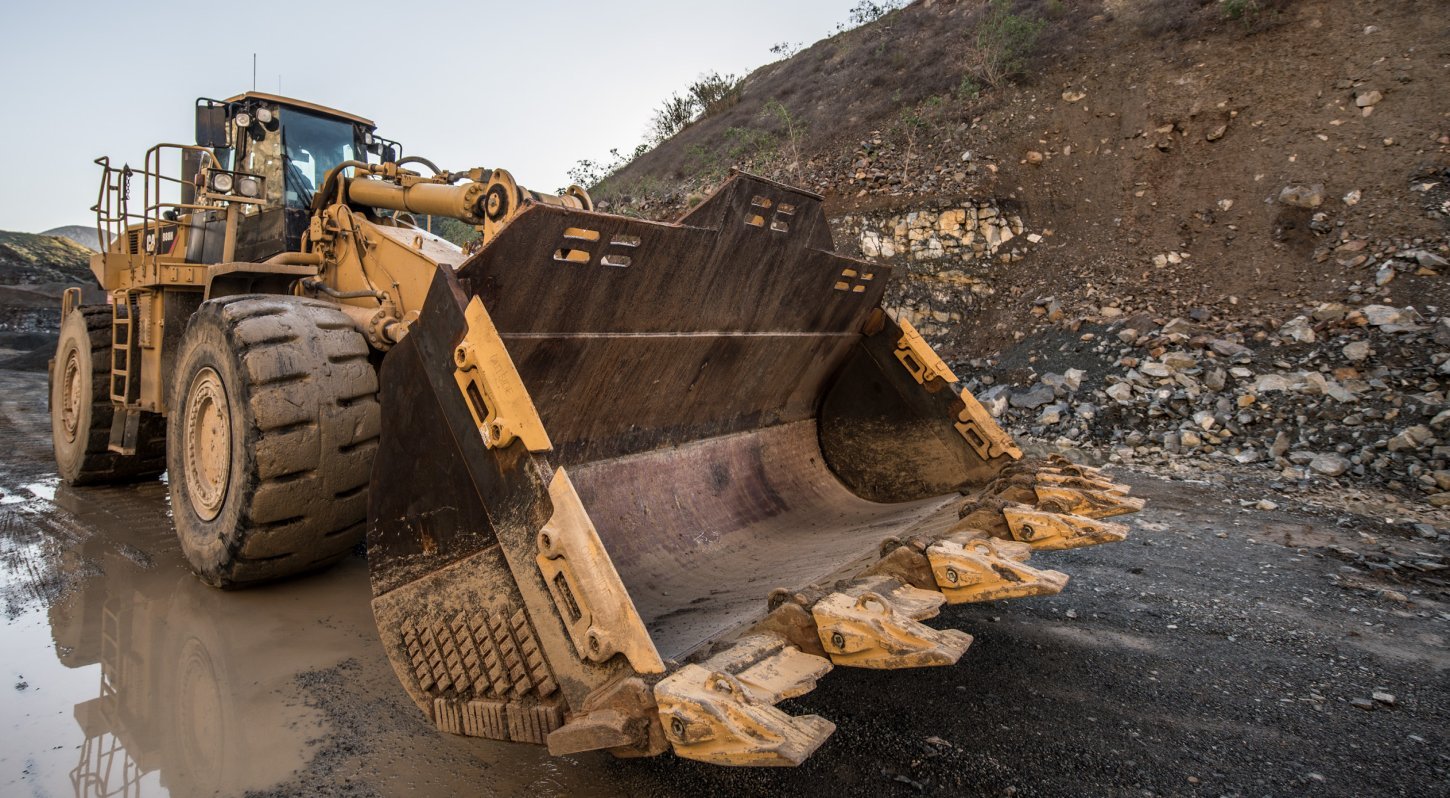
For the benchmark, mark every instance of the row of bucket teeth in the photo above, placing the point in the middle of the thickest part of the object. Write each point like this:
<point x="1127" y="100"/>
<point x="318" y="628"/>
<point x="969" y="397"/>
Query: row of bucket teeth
<point x="722" y="710"/>
<point x="1067" y="493"/>
<point x="1050" y="505"/>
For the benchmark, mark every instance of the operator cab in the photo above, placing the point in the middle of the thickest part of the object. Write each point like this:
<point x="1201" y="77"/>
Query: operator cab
<point x="278" y="150"/>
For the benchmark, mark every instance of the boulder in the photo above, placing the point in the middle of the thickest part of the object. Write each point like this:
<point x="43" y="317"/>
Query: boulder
<point x="1411" y="439"/>
<point x="1298" y="329"/>
<point x="1328" y="464"/>
<point x="1305" y="196"/>
<point x="1038" y="396"/>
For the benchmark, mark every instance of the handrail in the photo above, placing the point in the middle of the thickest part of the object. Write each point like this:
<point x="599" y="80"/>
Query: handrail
<point x="113" y="201"/>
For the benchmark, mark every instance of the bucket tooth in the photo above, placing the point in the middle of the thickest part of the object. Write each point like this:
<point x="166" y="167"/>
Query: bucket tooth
<point x="1099" y="483"/>
<point x="1063" y="465"/>
<point x="1049" y="531"/>
<point x="876" y="630"/>
<point x="979" y="570"/>
<point x="770" y="668"/>
<point x="913" y="602"/>
<point x="1087" y="502"/>
<point x="1014" y="550"/>
<point x="713" y="717"/>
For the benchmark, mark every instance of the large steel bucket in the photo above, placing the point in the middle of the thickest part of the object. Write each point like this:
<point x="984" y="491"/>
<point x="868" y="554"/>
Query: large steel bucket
<point x="639" y="481"/>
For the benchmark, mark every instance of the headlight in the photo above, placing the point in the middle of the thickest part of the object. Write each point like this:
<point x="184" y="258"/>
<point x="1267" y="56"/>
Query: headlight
<point x="221" y="183"/>
<point x="243" y="120"/>
<point x="249" y="186"/>
<point x="264" y="115"/>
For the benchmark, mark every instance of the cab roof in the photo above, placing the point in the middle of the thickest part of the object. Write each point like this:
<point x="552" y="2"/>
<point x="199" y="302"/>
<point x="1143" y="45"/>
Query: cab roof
<point x="303" y="104"/>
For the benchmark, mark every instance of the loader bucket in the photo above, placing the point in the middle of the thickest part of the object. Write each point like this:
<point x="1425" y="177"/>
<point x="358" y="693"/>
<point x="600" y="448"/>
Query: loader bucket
<point x="638" y="482"/>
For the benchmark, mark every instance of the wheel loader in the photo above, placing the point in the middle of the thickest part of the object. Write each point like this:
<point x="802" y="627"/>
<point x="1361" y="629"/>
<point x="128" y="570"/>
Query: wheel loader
<point x="625" y="485"/>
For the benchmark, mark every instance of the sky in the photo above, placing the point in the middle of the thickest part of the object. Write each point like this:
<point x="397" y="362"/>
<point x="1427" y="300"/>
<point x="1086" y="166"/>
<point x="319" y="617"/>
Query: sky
<point x="532" y="87"/>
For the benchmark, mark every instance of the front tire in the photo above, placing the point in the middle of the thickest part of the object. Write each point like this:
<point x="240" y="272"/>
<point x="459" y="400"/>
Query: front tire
<point x="274" y="423"/>
<point x="81" y="408"/>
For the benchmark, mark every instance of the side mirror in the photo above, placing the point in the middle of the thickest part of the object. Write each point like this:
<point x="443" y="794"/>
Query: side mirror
<point x="390" y="154"/>
<point x="211" y="126"/>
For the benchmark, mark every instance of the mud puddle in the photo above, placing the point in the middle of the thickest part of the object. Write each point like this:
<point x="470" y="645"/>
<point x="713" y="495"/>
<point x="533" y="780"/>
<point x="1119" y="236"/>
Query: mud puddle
<point x="124" y="675"/>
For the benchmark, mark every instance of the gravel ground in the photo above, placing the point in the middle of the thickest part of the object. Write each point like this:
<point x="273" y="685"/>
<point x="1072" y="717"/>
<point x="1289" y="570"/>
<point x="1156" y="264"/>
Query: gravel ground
<point x="1222" y="650"/>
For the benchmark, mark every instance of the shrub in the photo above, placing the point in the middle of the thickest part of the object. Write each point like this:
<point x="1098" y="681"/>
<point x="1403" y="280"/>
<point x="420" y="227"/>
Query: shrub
<point x="709" y="93"/>
<point x="673" y="115"/>
<point x="1241" y="10"/>
<point x="589" y="173"/>
<point x="1005" y="40"/>
<point x="866" y="12"/>
<point x="1161" y="17"/>
<point x="910" y="124"/>
<point x="460" y="233"/>
<point x="748" y="144"/>
<point x="785" y="49"/>
<point x="795" y="133"/>
<point x="713" y="92"/>
<point x="967" y="89"/>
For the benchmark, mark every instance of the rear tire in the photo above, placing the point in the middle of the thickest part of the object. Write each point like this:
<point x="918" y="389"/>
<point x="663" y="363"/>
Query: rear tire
<point x="274" y="424"/>
<point x="81" y="409"/>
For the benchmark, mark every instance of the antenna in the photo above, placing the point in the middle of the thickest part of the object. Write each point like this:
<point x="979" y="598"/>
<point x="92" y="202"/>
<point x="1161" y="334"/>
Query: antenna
<point x="254" y="71"/>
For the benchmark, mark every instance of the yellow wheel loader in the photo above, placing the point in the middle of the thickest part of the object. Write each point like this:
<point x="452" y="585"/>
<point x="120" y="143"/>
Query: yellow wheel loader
<point x="625" y="485"/>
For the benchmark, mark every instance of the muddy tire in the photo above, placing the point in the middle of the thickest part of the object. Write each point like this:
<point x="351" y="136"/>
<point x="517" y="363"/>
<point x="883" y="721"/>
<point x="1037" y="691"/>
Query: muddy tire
<point x="274" y="423"/>
<point x="81" y="409"/>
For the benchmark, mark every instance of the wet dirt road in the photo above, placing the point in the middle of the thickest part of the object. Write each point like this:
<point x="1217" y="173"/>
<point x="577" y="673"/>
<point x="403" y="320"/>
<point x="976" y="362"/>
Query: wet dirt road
<point x="1212" y="654"/>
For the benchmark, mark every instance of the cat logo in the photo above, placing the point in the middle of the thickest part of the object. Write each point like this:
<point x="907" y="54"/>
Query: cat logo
<point x="168" y="239"/>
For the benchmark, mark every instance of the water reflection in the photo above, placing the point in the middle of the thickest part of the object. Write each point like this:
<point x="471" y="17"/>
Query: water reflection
<point x="195" y="685"/>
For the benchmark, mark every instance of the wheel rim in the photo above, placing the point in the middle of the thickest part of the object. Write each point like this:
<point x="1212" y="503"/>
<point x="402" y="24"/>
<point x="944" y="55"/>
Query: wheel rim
<point x="208" y="444"/>
<point x="71" y="396"/>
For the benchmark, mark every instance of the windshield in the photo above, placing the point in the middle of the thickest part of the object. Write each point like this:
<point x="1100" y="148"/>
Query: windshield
<point x="314" y="145"/>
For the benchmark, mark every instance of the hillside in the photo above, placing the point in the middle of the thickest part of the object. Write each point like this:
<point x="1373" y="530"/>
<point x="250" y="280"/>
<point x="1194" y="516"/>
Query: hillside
<point x="27" y="259"/>
<point x="85" y="235"/>
<point x="1186" y="233"/>
<point x="1139" y="131"/>
<point x="34" y="270"/>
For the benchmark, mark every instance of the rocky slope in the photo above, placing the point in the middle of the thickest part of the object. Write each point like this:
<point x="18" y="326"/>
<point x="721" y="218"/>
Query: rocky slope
<point x="1180" y="236"/>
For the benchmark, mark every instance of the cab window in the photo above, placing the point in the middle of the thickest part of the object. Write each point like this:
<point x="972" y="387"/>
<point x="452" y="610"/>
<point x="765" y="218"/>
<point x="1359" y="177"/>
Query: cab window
<point x="313" y="146"/>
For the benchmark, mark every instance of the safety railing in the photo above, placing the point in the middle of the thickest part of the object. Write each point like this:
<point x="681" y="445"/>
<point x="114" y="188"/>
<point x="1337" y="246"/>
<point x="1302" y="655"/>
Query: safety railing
<point x="143" y="231"/>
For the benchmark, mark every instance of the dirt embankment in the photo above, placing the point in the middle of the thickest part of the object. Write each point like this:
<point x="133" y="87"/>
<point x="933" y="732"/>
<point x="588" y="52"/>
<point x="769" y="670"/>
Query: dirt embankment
<point x="1192" y="230"/>
<point x="34" y="271"/>
<point x="1138" y="129"/>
